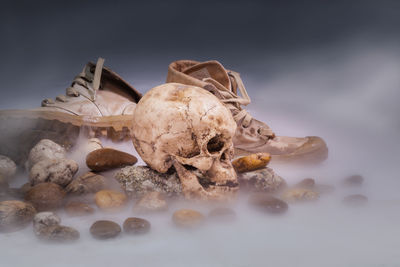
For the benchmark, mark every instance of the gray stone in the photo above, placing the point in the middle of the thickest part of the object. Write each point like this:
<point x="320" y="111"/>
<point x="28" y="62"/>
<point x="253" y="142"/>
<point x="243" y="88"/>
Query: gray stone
<point x="59" y="233"/>
<point x="45" y="149"/>
<point x="42" y="220"/>
<point x="58" y="171"/>
<point x="265" y="180"/>
<point x="139" y="180"/>
<point x="88" y="183"/>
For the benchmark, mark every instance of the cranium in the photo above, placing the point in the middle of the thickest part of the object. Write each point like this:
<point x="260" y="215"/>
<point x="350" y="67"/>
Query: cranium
<point x="189" y="128"/>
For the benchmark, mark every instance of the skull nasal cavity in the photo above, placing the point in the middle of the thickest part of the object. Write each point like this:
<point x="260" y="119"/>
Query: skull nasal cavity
<point x="215" y="144"/>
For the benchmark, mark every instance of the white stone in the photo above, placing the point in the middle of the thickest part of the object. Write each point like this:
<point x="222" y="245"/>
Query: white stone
<point x="42" y="220"/>
<point x="7" y="167"/>
<point x="45" y="149"/>
<point x="59" y="171"/>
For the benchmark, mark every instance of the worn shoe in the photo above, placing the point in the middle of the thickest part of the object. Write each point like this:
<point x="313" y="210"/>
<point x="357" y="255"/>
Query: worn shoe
<point x="251" y="135"/>
<point x="98" y="101"/>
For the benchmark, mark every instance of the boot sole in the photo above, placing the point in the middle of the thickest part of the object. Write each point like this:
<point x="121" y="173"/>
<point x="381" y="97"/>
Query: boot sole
<point x="21" y="129"/>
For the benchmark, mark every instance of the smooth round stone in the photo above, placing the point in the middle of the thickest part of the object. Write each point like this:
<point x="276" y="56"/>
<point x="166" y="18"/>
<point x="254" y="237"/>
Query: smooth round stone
<point x="42" y="220"/>
<point x="300" y="194"/>
<point x="58" y="233"/>
<point x="353" y="180"/>
<point x="58" y="171"/>
<point x="268" y="204"/>
<point x="15" y="215"/>
<point x="105" y="229"/>
<point x="110" y="200"/>
<point x="45" y="149"/>
<point x="46" y="196"/>
<point x="151" y="202"/>
<point x="88" y="183"/>
<point x="355" y="200"/>
<point x="187" y="218"/>
<point x="222" y="214"/>
<point x="7" y="168"/>
<point x="75" y="208"/>
<point x="306" y="183"/>
<point x="136" y="226"/>
<point x="104" y="159"/>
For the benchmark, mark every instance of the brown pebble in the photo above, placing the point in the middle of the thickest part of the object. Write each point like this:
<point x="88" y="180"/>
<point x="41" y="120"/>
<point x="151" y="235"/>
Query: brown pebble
<point x="88" y="183"/>
<point x="135" y="225"/>
<point x="300" y="194"/>
<point x="15" y="215"/>
<point x="110" y="200"/>
<point x="58" y="233"/>
<point x="187" y="218"/>
<point x="104" y="159"/>
<point x="45" y="196"/>
<point x="222" y="214"/>
<point x="355" y="200"/>
<point x="151" y="202"/>
<point x="251" y="162"/>
<point x="105" y="229"/>
<point x="353" y="180"/>
<point x="306" y="183"/>
<point x="268" y="203"/>
<point x="75" y="208"/>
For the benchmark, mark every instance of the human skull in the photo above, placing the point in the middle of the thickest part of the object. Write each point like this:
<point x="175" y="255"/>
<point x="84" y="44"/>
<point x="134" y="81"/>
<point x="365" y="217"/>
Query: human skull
<point x="189" y="128"/>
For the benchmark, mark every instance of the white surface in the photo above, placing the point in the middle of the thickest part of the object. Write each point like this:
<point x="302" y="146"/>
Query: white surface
<point x="353" y="105"/>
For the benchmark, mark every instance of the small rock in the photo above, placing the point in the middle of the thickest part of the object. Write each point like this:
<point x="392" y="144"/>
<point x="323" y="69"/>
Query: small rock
<point x="110" y="200"/>
<point x="7" y="168"/>
<point x="46" y="196"/>
<point x="43" y="220"/>
<point x="136" y="226"/>
<point x="261" y="180"/>
<point x="251" y="162"/>
<point x="139" y="180"/>
<point x="152" y="201"/>
<point x="92" y="145"/>
<point x="306" y="183"/>
<point x="300" y="194"/>
<point x="355" y="200"/>
<point x="107" y="158"/>
<point x="105" y="229"/>
<point x="58" y="233"/>
<point x="15" y="215"/>
<point x="222" y="214"/>
<point x="187" y="218"/>
<point x="45" y="149"/>
<point x="268" y="203"/>
<point x="87" y="183"/>
<point x="75" y="208"/>
<point x="353" y="180"/>
<point x="58" y="171"/>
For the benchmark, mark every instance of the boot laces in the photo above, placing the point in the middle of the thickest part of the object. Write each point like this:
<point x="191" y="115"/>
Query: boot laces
<point x="234" y="102"/>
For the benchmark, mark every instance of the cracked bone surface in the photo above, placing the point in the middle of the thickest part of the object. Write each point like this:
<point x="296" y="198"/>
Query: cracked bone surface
<point x="190" y="129"/>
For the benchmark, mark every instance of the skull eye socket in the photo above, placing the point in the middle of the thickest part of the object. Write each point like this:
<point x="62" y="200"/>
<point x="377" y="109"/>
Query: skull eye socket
<point x="216" y="144"/>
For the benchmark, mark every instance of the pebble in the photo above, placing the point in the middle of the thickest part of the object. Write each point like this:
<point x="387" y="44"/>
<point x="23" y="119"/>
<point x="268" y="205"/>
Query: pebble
<point x="88" y="183"/>
<point x="300" y="194"/>
<point x="8" y="168"/>
<point x="110" y="200"/>
<point x="306" y="183"/>
<point x="75" y="208"/>
<point x="265" y="180"/>
<point x="107" y="158"/>
<point x="46" y="196"/>
<point x="353" y="180"/>
<point x="58" y="171"/>
<point x="15" y="215"/>
<point x="151" y="202"/>
<point x="105" y="229"/>
<point x="140" y="180"/>
<point x="355" y="200"/>
<point x="187" y="218"/>
<point x="45" y="149"/>
<point x="59" y="233"/>
<point x="43" y="220"/>
<point x="222" y="214"/>
<point x="251" y="162"/>
<point x="268" y="203"/>
<point x="136" y="226"/>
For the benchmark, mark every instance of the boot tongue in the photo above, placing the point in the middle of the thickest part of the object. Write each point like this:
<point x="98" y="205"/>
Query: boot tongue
<point x="210" y="69"/>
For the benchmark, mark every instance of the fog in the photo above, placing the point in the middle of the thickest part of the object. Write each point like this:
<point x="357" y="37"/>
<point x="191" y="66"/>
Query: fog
<point x="346" y="94"/>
